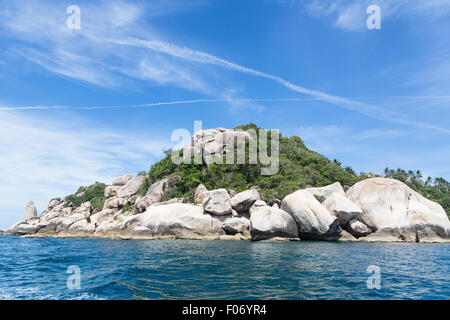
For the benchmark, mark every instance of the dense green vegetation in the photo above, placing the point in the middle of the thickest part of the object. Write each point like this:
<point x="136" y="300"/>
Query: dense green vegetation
<point x="299" y="168"/>
<point x="94" y="193"/>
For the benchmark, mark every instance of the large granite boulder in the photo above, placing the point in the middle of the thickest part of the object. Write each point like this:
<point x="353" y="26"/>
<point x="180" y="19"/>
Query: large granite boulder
<point x="121" y="181"/>
<point x="21" y="228"/>
<point x="217" y="202"/>
<point x="256" y="205"/>
<point x="342" y="208"/>
<point x="357" y="228"/>
<point x="200" y="193"/>
<point x="85" y="209"/>
<point x="178" y="219"/>
<point x="211" y="150"/>
<point x="236" y="225"/>
<point x="327" y="190"/>
<point x="243" y="201"/>
<point x="314" y="221"/>
<point x="101" y="216"/>
<point x="159" y="189"/>
<point x="114" y="203"/>
<point x="81" y="227"/>
<point x="390" y="204"/>
<point x="111" y="191"/>
<point x="269" y="222"/>
<point x="212" y="143"/>
<point x="52" y="204"/>
<point x="30" y="211"/>
<point x="132" y="187"/>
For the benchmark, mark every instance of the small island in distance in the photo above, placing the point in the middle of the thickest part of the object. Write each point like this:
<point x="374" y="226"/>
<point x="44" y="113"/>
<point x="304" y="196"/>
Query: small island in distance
<point x="309" y="198"/>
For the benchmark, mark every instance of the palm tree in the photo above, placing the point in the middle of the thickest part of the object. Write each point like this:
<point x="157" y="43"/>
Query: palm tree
<point x="418" y="174"/>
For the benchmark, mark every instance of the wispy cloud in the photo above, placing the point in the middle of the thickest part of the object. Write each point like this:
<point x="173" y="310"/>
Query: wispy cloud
<point x="45" y="158"/>
<point x="37" y="32"/>
<point x="351" y="15"/>
<point x="103" y="53"/>
<point x="369" y="110"/>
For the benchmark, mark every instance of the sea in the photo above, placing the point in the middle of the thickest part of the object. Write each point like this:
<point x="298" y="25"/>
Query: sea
<point x="49" y="268"/>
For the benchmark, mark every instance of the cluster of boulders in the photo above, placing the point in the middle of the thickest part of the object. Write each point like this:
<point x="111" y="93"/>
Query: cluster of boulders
<point x="63" y="218"/>
<point x="212" y="143"/>
<point x="376" y="209"/>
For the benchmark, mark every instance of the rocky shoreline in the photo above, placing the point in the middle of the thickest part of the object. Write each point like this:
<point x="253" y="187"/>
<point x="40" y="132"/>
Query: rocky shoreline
<point x="373" y="210"/>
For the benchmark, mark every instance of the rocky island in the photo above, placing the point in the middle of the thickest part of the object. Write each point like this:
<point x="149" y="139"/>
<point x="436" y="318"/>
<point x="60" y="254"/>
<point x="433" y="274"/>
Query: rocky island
<point x="172" y="201"/>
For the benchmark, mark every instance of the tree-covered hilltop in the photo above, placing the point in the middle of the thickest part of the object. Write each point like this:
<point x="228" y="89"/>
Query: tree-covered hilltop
<point x="299" y="168"/>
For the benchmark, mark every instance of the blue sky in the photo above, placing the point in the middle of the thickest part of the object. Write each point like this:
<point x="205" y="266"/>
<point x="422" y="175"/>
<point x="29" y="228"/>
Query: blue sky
<point x="78" y="106"/>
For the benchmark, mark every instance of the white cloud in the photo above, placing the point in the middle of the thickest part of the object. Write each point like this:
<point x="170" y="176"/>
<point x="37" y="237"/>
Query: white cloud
<point x="352" y="16"/>
<point x="103" y="53"/>
<point x="366" y="109"/>
<point x="37" y="31"/>
<point x="42" y="158"/>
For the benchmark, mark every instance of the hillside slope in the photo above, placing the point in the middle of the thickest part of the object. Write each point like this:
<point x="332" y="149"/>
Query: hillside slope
<point x="299" y="168"/>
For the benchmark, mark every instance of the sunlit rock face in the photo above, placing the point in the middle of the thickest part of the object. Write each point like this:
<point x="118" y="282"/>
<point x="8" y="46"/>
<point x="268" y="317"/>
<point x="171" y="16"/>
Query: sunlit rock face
<point x="390" y="204"/>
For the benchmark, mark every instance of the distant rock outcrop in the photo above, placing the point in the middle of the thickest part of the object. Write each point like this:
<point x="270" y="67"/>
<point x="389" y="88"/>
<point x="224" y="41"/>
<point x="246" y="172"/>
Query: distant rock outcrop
<point x="30" y="211"/>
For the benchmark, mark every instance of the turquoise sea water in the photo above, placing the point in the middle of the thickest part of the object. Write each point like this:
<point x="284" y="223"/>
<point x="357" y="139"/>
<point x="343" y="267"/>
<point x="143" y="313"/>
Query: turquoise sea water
<point x="180" y="269"/>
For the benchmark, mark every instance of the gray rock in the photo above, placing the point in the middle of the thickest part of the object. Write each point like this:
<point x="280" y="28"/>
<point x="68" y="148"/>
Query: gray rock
<point x="85" y="209"/>
<point x="111" y="191"/>
<point x="257" y="204"/>
<point x="236" y="225"/>
<point x="21" y="228"/>
<point x="200" y="193"/>
<point x="390" y="204"/>
<point x="178" y="219"/>
<point x="81" y="227"/>
<point x="114" y="203"/>
<point x="159" y="189"/>
<point x="215" y="143"/>
<point x="342" y="208"/>
<point x="274" y="201"/>
<point x="268" y="222"/>
<point x="123" y="180"/>
<point x="173" y="200"/>
<point x="30" y="211"/>
<point x="314" y="221"/>
<point x="358" y="229"/>
<point x="53" y="203"/>
<point x="346" y="236"/>
<point x="243" y="201"/>
<point x="327" y="190"/>
<point x="217" y="202"/>
<point x="132" y="187"/>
